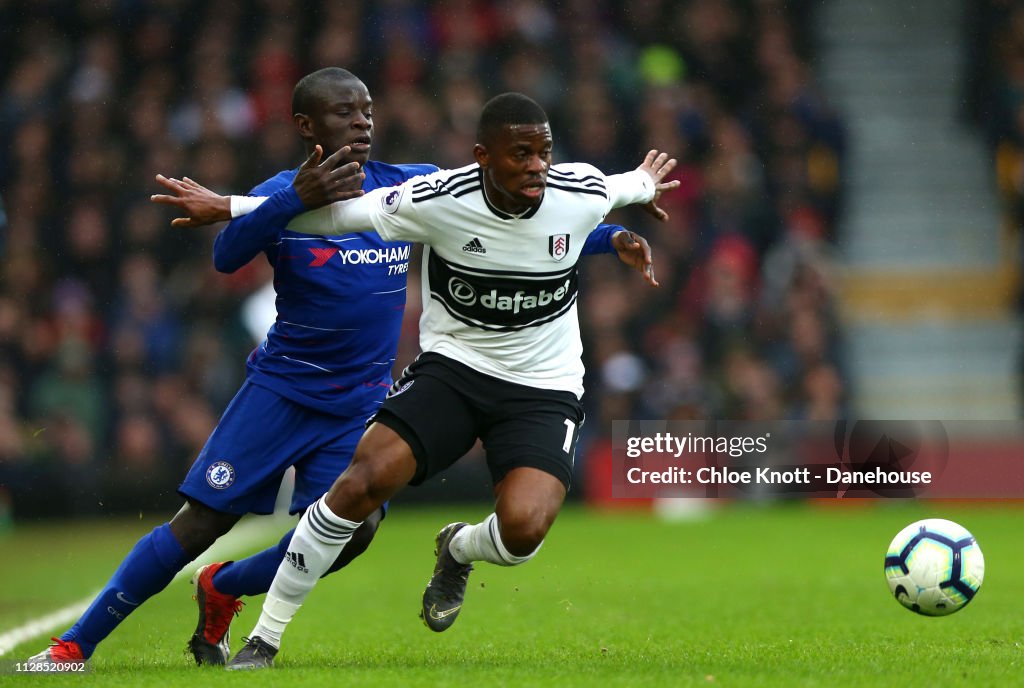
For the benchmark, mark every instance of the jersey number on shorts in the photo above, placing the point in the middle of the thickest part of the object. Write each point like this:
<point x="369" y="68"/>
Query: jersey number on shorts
<point x="570" y="428"/>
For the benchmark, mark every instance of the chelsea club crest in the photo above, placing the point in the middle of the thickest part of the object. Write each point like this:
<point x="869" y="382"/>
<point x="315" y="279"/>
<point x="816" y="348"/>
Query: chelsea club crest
<point x="220" y="475"/>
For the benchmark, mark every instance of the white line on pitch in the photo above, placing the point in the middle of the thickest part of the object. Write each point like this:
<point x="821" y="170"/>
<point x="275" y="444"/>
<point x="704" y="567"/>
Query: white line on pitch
<point x="240" y="539"/>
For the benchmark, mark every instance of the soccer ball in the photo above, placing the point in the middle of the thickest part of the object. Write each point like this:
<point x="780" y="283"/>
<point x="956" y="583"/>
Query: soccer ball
<point x="934" y="567"/>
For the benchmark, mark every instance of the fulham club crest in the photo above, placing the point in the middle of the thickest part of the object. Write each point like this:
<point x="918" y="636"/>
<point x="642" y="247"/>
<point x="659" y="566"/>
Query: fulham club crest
<point x="558" y="246"/>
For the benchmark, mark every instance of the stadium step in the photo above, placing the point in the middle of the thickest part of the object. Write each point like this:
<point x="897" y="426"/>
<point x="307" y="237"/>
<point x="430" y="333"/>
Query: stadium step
<point x="919" y="370"/>
<point x="921" y="184"/>
<point x="931" y="275"/>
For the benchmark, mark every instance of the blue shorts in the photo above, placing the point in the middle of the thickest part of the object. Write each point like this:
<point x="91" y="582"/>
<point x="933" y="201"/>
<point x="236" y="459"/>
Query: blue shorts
<point x="259" y="436"/>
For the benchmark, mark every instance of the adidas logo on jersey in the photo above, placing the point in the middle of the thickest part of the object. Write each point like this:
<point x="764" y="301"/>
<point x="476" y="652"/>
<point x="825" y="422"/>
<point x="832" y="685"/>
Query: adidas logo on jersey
<point x="297" y="560"/>
<point x="474" y="246"/>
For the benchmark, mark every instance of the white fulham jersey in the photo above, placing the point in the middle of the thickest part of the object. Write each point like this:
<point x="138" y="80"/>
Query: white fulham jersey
<point x="499" y="291"/>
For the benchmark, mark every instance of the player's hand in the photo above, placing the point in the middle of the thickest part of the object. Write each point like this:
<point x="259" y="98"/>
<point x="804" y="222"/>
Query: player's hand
<point x="635" y="252"/>
<point x="322" y="181"/>
<point x="658" y="166"/>
<point x="200" y="205"/>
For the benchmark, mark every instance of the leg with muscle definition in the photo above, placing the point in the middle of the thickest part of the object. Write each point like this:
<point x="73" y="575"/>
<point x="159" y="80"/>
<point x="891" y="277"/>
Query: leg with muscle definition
<point x="527" y="502"/>
<point x="383" y="463"/>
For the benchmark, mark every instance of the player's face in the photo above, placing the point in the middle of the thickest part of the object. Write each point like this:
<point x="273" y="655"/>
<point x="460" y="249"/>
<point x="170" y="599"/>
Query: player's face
<point x="516" y="166"/>
<point x="344" y="117"/>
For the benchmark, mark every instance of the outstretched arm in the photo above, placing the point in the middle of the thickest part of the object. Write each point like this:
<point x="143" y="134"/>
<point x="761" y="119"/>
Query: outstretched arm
<point x="658" y="166"/>
<point x="644" y="185"/>
<point x="200" y="205"/>
<point x="318" y="183"/>
<point x="244" y="238"/>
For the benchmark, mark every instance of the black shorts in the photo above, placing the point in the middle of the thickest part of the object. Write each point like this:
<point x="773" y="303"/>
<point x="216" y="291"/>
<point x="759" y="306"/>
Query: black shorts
<point x="440" y="407"/>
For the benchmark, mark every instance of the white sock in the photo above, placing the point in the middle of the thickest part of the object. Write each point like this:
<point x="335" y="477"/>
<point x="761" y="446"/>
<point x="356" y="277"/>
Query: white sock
<point x="316" y="543"/>
<point x="482" y="542"/>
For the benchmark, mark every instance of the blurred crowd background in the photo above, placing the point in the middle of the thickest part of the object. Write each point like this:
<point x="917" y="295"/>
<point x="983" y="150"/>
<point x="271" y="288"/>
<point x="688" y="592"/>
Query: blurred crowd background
<point x="994" y="101"/>
<point x="120" y="345"/>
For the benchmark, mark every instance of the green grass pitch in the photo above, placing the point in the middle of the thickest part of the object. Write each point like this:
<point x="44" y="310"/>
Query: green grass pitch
<point x="750" y="595"/>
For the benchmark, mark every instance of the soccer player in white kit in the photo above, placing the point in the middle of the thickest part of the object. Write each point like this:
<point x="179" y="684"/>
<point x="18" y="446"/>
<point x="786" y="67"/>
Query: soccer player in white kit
<point x="501" y="354"/>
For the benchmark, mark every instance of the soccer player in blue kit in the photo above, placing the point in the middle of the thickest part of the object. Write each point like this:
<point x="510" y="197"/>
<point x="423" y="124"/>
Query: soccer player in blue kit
<point x="323" y="369"/>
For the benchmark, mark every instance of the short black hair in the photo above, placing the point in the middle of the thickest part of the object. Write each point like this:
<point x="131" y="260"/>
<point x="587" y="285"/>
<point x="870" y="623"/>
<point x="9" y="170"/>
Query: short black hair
<point x="311" y="88"/>
<point x="505" y="109"/>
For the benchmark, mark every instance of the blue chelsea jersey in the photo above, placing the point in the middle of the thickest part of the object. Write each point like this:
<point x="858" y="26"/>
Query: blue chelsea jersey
<point x="340" y="299"/>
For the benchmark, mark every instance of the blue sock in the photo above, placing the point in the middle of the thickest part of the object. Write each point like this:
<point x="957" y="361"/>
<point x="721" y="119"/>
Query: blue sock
<point x="148" y="568"/>
<point x="252" y="575"/>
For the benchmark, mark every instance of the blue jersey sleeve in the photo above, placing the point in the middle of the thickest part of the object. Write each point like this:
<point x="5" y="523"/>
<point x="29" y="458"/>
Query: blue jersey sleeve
<point x="600" y="240"/>
<point x="245" y="237"/>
